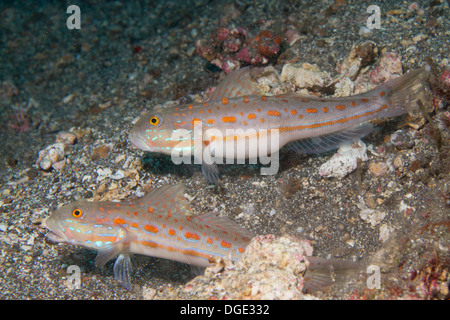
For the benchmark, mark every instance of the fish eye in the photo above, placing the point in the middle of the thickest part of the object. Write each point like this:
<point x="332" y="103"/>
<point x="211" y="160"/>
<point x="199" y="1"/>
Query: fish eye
<point x="154" y="121"/>
<point x="77" y="213"/>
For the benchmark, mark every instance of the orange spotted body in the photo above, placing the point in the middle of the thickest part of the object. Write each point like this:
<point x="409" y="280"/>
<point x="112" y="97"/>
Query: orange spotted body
<point x="239" y="111"/>
<point x="155" y="225"/>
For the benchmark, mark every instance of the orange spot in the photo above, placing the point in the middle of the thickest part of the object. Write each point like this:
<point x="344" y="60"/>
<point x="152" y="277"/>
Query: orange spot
<point x="190" y="106"/>
<point x="210" y="121"/>
<point x="325" y="109"/>
<point x="209" y="241"/>
<point x="134" y="225"/>
<point x="149" y="244"/>
<point x="259" y="110"/>
<point x="300" y="116"/>
<point x="285" y="110"/>
<point x="117" y="204"/>
<point x="384" y="106"/>
<point x="251" y="116"/>
<point x="241" y="250"/>
<point x="261" y="120"/>
<point x="135" y="213"/>
<point x="218" y="108"/>
<point x="230" y="119"/>
<point x="382" y="93"/>
<point x="234" y="105"/>
<point x="205" y="104"/>
<point x="119" y="221"/>
<point x="340" y="107"/>
<point x="284" y="100"/>
<point x="264" y="98"/>
<point x="311" y="110"/>
<point x="171" y="232"/>
<point x="273" y="113"/>
<point x="150" y="209"/>
<point x="209" y="110"/>
<point x="246" y="100"/>
<point x="293" y="112"/>
<point x="353" y="104"/>
<point x="192" y="236"/>
<point x="364" y="100"/>
<point x="102" y="209"/>
<point x="244" y="123"/>
<point x="176" y="114"/>
<point x="201" y="111"/>
<point x="241" y="114"/>
<point x="151" y="228"/>
<point x="225" y="244"/>
<point x="180" y="228"/>
<point x="225" y="100"/>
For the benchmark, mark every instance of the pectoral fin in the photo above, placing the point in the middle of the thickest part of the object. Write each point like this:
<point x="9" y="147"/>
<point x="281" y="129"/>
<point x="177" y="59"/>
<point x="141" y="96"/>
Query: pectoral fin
<point x="209" y="167"/>
<point x="122" y="270"/>
<point x="106" y="254"/>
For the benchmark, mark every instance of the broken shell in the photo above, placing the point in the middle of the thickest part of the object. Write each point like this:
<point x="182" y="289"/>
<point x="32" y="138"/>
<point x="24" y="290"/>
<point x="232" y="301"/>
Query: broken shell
<point x="304" y="75"/>
<point x="51" y="155"/>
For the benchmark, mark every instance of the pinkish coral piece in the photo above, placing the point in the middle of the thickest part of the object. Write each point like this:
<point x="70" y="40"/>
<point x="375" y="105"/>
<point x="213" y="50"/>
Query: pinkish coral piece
<point x="204" y="50"/>
<point x="244" y="55"/>
<point x="390" y="66"/>
<point x="222" y="34"/>
<point x="445" y="78"/>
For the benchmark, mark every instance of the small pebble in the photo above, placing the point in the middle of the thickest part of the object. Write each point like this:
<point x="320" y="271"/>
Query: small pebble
<point x="378" y="168"/>
<point x="100" y="152"/>
<point x="66" y="137"/>
<point x="364" y="31"/>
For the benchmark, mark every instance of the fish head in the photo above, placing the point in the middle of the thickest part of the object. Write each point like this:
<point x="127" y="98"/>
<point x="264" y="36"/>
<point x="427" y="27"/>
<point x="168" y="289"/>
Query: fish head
<point x="61" y="222"/>
<point x="163" y="131"/>
<point x="78" y="223"/>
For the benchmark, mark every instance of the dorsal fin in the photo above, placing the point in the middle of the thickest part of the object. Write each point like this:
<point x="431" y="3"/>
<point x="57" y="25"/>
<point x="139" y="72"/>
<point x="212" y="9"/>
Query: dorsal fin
<point x="168" y="197"/>
<point x="237" y="84"/>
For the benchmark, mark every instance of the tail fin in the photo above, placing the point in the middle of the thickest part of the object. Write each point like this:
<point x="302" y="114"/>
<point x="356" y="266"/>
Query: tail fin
<point x="322" y="273"/>
<point x="403" y="93"/>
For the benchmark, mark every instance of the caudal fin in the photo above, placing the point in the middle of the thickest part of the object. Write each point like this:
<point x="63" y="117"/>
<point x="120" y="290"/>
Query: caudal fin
<point x="322" y="273"/>
<point x="401" y="95"/>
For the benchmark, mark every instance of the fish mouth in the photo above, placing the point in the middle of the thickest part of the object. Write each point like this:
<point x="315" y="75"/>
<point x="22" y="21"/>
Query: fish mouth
<point x="138" y="141"/>
<point x="55" y="234"/>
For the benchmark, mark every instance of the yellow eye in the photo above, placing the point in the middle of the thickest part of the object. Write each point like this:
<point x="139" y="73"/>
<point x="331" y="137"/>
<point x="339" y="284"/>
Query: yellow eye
<point x="77" y="213"/>
<point x="154" y="121"/>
